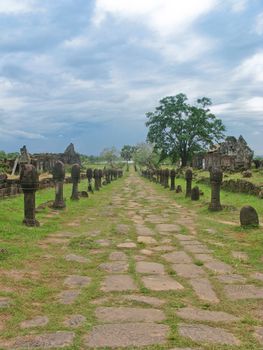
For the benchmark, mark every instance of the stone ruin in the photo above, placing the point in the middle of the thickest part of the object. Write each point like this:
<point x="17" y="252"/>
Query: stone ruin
<point x="44" y="162"/>
<point x="232" y="155"/>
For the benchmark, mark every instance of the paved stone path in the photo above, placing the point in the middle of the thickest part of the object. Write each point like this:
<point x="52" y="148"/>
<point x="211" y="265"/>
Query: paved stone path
<point x="158" y="284"/>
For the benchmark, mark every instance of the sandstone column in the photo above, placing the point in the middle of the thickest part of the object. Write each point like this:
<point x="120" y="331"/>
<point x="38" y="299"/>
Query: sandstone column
<point x="89" y="174"/>
<point x="216" y="177"/>
<point x="58" y="177"/>
<point x="29" y="181"/>
<point x="188" y="178"/>
<point x="75" y="176"/>
<point x="172" y="176"/>
<point x="96" y="179"/>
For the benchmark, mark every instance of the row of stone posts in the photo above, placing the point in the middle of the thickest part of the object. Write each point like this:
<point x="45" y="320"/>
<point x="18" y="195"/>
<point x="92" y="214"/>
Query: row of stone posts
<point x="248" y="215"/>
<point x="29" y="180"/>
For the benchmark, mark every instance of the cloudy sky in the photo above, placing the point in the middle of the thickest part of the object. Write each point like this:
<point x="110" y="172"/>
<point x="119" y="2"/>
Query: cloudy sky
<point x="86" y="71"/>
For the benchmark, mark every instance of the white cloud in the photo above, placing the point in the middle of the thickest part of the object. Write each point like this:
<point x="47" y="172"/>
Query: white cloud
<point x="16" y="6"/>
<point x="259" y="24"/>
<point x="239" y="5"/>
<point x="251" y="68"/>
<point x="165" y="17"/>
<point x="21" y="133"/>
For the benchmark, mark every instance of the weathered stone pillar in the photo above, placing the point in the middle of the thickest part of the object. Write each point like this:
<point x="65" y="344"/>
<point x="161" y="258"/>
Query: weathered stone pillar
<point x="89" y="174"/>
<point x="166" y="177"/>
<point x="96" y="179"/>
<point x="249" y="217"/>
<point x="100" y="175"/>
<point x="108" y="177"/>
<point x="172" y="176"/>
<point x="75" y="176"/>
<point x="188" y="178"/>
<point x="216" y="177"/>
<point x="195" y="194"/>
<point x="29" y="181"/>
<point x="58" y="177"/>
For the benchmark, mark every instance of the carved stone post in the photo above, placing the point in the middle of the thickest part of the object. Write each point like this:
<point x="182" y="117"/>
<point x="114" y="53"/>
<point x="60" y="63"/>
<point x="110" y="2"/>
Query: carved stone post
<point x="108" y="176"/>
<point x="29" y="181"/>
<point x="166" y="176"/>
<point x="188" y="178"/>
<point x="89" y="174"/>
<point x="216" y="177"/>
<point x="96" y="179"/>
<point x="172" y="176"/>
<point x="58" y="177"/>
<point x="195" y="194"/>
<point x="100" y="175"/>
<point x="75" y="176"/>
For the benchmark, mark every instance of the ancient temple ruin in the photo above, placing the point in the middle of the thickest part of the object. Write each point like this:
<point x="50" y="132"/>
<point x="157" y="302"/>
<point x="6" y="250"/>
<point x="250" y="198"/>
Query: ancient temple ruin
<point x="44" y="162"/>
<point x="232" y="154"/>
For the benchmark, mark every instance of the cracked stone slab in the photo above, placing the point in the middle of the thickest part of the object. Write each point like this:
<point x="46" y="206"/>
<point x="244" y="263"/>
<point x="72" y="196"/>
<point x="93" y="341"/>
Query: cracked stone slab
<point x="118" y="256"/>
<point x="207" y="334"/>
<point x="219" y="267"/>
<point x="4" y="302"/>
<point x="204" y="290"/>
<point x="204" y="257"/>
<point x="124" y="335"/>
<point x="242" y="256"/>
<point x="39" y="321"/>
<point x="164" y="248"/>
<point x="114" y="267"/>
<point x="259" y="334"/>
<point x="127" y="245"/>
<point x="68" y="297"/>
<point x="144" y="230"/>
<point x="188" y="270"/>
<point x="118" y="283"/>
<point x="77" y="258"/>
<point x="122" y="229"/>
<point x="149" y="268"/>
<point x="194" y="314"/>
<point x="146" y="240"/>
<point x="161" y="282"/>
<point x="128" y="314"/>
<point x="153" y="301"/>
<point x="42" y="341"/>
<point x="244" y="291"/>
<point x="169" y="228"/>
<point x="231" y="279"/>
<point x="74" y="321"/>
<point x="177" y="257"/>
<point x="74" y="281"/>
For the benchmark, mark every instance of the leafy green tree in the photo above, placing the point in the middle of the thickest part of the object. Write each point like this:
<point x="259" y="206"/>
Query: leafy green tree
<point x="145" y="156"/>
<point x="110" y="155"/>
<point x="127" y="152"/>
<point x="178" y="129"/>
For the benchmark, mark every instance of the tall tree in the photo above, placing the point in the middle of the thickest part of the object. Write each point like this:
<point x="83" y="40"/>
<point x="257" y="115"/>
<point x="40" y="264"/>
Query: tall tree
<point x="127" y="152"/>
<point x="145" y="156"/>
<point x="178" y="129"/>
<point x="110" y="155"/>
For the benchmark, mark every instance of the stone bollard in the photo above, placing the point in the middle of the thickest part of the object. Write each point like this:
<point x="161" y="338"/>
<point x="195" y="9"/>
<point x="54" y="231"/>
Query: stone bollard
<point x="249" y="216"/>
<point x="179" y="189"/>
<point x="172" y="176"/>
<point x="75" y="176"/>
<point x="96" y="179"/>
<point x="195" y="194"/>
<point x="188" y="178"/>
<point x="216" y="177"/>
<point x="29" y="181"/>
<point x="166" y="177"/>
<point x="100" y="176"/>
<point x="58" y="177"/>
<point x="108" y="176"/>
<point x="89" y="174"/>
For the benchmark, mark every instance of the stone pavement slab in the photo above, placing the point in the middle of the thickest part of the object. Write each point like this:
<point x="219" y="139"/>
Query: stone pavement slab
<point x="124" y="335"/>
<point x="219" y="267"/>
<point x="188" y="270"/>
<point x="245" y="291"/>
<point x="127" y="245"/>
<point x="153" y="301"/>
<point x="207" y="334"/>
<point x="150" y="268"/>
<point x="231" y="279"/>
<point x="204" y="290"/>
<point x="114" y="266"/>
<point x="146" y="240"/>
<point x="74" y="281"/>
<point x="177" y="257"/>
<point x="259" y="334"/>
<point x="118" y="283"/>
<point x="160" y="282"/>
<point x="42" y="341"/>
<point x="68" y="297"/>
<point x="74" y="321"/>
<point x="39" y="321"/>
<point x="4" y="302"/>
<point x="128" y="314"/>
<point x="194" y="314"/>
<point x="118" y="256"/>
<point x="77" y="258"/>
<point x="170" y="228"/>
